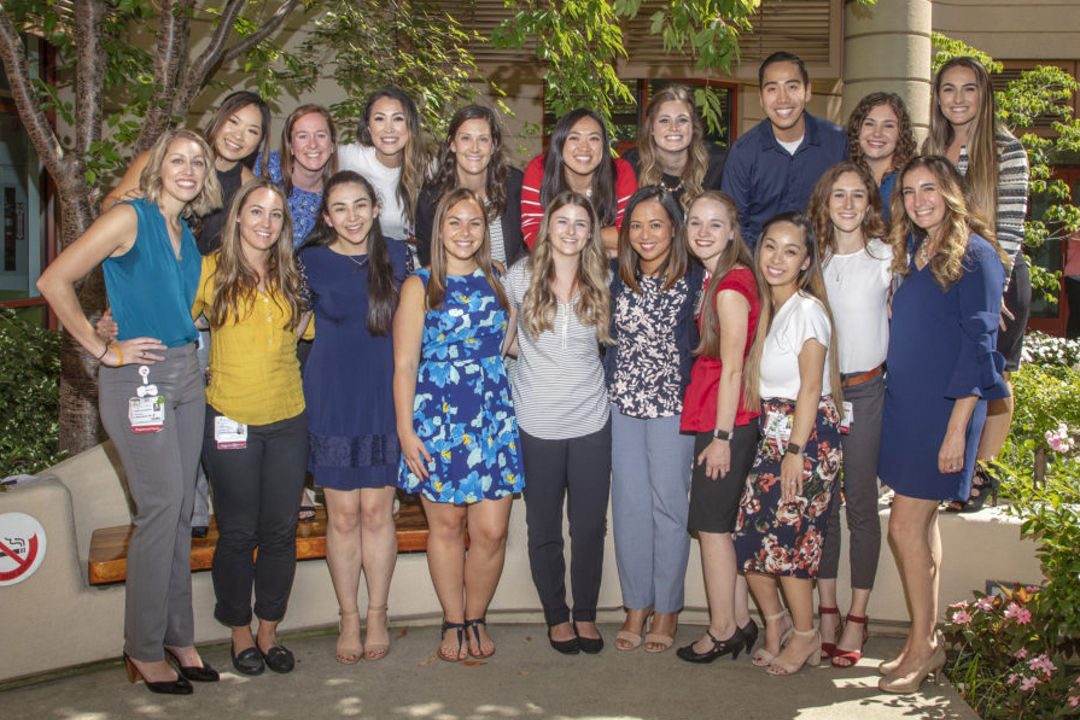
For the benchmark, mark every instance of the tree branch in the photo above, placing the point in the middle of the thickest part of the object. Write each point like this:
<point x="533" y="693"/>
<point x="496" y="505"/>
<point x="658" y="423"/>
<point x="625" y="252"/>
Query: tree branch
<point x="31" y="113"/>
<point x="216" y="53"/>
<point x="171" y="52"/>
<point x="89" y="75"/>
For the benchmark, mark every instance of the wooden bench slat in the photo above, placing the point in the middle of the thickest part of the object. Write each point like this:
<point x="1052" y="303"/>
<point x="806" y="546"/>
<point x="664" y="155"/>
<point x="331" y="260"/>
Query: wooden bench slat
<point x="108" y="546"/>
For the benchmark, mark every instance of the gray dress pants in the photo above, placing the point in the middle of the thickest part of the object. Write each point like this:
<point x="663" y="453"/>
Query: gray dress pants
<point x="160" y="469"/>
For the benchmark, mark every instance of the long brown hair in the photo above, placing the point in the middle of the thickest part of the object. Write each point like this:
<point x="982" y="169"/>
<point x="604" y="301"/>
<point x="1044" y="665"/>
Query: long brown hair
<point x="209" y="197"/>
<point x="382" y="290"/>
<point x="960" y="221"/>
<point x="736" y="253"/>
<point x="872" y="225"/>
<point x="236" y="282"/>
<point x="414" y="154"/>
<point x="436" y="287"/>
<point x="697" y="161"/>
<point x="287" y="161"/>
<point x="906" y="147"/>
<point x="810" y="282"/>
<point x="981" y="177"/>
<point x="538" y="307"/>
<point x="446" y="174"/>
<point x="677" y="262"/>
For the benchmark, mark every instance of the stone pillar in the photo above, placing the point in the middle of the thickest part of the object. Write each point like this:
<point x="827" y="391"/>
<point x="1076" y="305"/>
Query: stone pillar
<point x="887" y="48"/>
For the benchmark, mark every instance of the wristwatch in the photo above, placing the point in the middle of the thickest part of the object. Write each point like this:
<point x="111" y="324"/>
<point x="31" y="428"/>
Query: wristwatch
<point x="721" y="434"/>
<point x="793" y="449"/>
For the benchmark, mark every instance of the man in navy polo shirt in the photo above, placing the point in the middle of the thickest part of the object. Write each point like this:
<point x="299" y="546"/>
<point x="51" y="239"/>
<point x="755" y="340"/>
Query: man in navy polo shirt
<point x="773" y="168"/>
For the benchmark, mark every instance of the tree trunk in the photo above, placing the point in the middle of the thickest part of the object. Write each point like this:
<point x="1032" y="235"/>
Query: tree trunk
<point x="79" y="424"/>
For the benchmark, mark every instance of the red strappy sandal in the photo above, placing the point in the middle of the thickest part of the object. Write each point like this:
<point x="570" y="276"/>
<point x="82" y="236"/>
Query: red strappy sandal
<point x="849" y="658"/>
<point x="828" y="649"/>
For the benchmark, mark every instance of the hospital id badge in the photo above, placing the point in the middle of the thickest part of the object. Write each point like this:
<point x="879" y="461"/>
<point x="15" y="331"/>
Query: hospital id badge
<point x="229" y="434"/>
<point x="849" y="417"/>
<point x="778" y="430"/>
<point x="146" y="411"/>
<point x="146" y="414"/>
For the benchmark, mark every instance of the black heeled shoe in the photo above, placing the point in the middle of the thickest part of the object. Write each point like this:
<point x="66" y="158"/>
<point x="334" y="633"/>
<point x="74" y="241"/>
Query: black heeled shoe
<point x="589" y="645"/>
<point x="985" y="481"/>
<point x="731" y="646"/>
<point x="248" y="662"/>
<point x="566" y="647"/>
<point x="195" y="673"/>
<point x="750" y="634"/>
<point x="179" y="686"/>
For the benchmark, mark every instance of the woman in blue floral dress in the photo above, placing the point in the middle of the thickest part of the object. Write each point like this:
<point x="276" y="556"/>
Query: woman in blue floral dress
<point x="455" y="418"/>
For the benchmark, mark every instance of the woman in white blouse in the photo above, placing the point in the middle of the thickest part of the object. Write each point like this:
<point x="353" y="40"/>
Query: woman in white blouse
<point x="846" y="211"/>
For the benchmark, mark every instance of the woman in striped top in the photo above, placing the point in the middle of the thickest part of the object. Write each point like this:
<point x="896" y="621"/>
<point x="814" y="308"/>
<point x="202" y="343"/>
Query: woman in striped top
<point x="560" y="294"/>
<point x="578" y="159"/>
<point x="964" y="128"/>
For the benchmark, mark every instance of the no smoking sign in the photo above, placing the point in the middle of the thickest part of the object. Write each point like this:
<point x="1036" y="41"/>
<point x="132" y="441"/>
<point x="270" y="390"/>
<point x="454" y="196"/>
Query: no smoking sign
<point x="22" y="547"/>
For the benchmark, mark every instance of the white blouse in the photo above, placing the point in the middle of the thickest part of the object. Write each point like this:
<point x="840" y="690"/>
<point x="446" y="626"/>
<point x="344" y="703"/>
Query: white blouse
<point x="801" y="318"/>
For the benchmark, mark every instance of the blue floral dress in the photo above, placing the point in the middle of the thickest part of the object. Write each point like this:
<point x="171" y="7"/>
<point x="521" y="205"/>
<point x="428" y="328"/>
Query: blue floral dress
<point x="303" y="205"/>
<point x="463" y="411"/>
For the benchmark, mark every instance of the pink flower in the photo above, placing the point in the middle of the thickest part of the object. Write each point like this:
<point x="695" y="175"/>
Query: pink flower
<point x="1042" y="662"/>
<point x="1020" y="614"/>
<point x="985" y="604"/>
<point x="961" y="617"/>
<point x="1013" y="677"/>
<point x="1020" y="654"/>
<point x="958" y="605"/>
<point x="1074" y="700"/>
<point x="1029" y="683"/>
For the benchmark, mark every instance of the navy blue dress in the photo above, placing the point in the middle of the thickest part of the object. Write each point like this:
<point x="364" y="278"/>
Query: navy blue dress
<point x="941" y="347"/>
<point x="348" y="377"/>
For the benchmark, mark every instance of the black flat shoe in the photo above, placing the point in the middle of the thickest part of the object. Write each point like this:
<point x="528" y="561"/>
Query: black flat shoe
<point x="732" y="646"/>
<point x="566" y="647"/>
<point x="750" y="634"/>
<point x="589" y="645"/>
<point x="278" y="658"/>
<point x="248" y="662"/>
<point x="179" y="686"/>
<point x="195" y="673"/>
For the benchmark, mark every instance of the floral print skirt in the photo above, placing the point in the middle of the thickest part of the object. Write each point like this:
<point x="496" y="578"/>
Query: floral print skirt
<point x="787" y="538"/>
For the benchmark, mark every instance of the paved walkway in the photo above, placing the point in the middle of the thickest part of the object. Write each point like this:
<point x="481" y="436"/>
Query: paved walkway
<point x="525" y="679"/>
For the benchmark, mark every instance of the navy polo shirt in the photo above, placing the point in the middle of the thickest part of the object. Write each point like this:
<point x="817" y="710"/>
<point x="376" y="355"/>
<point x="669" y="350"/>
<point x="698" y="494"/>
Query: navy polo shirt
<point x="765" y="179"/>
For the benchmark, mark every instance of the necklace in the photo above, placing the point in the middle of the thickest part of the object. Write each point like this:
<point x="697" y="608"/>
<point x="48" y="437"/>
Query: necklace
<point x="924" y="254"/>
<point x="671" y="188"/>
<point x="359" y="263"/>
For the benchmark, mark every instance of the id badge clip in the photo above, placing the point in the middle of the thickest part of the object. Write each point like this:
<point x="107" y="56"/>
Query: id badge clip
<point x="146" y="411"/>
<point x="849" y="417"/>
<point x="229" y="434"/>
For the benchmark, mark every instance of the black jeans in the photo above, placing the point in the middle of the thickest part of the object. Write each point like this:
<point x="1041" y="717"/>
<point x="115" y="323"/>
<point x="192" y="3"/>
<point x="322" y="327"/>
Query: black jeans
<point x="579" y="469"/>
<point x="256" y="493"/>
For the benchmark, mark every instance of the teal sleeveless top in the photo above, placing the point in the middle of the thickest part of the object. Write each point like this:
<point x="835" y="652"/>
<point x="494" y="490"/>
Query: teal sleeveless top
<point x="150" y="291"/>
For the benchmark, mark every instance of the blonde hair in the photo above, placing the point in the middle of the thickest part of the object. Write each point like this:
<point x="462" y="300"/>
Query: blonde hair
<point x="697" y="161"/>
<point x="539" y="305"/>
<point x="209" y="197"/>
<point x="981" y="177"/>
<point x="736" y="253"/>
<point x="961" y="219"/>
<point x="236" y="282"/>
<point x="436" y="287"/>
<point x="810" y="282"/>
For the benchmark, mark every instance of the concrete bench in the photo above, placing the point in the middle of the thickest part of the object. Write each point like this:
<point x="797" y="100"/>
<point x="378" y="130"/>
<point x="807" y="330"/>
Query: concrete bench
<point x="109" y="545"/>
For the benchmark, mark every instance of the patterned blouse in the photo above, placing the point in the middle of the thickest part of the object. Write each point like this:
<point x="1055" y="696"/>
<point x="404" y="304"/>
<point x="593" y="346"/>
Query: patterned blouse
<point x="647" y="382"/>
<point x="303" y="205"/>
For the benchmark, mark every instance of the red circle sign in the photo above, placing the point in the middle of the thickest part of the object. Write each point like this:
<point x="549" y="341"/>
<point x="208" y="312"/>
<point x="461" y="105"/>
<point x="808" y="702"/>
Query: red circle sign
<point x="22" y="547"/>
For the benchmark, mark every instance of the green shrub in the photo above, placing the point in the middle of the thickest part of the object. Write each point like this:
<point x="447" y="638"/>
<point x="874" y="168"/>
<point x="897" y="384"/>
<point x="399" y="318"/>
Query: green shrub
<point x="29" y="396"/>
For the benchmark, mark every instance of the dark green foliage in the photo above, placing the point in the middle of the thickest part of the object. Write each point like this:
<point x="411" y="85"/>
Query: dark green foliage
<point x="29" y="396"/>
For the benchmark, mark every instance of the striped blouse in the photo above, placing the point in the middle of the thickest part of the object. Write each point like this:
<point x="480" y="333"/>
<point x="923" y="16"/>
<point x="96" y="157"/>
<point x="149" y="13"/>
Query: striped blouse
<point x="1012" y="196"/>
<point x="557" y="381"/>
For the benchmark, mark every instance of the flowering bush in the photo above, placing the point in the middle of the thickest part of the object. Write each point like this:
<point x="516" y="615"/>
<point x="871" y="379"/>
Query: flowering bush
<point x="1003" y="663"/>
<point x="1044" y="349"/>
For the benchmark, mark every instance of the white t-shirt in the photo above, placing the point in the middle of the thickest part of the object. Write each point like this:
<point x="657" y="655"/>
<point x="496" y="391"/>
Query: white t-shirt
<point x="361" y="158"/>
<point x="858" y="286"/>
<point x="801" y="318"/>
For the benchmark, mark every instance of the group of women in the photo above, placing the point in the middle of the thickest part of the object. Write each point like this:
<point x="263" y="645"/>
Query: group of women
<point x="703" y="389"/>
